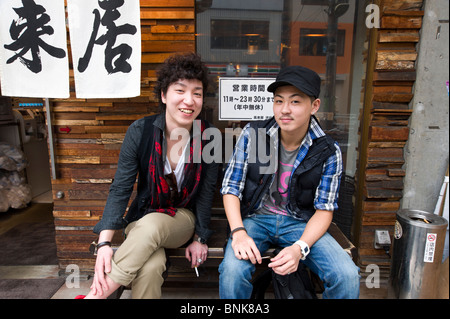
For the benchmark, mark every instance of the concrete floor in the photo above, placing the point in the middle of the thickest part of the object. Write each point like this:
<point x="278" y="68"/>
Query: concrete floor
<point x="81" y="287"/>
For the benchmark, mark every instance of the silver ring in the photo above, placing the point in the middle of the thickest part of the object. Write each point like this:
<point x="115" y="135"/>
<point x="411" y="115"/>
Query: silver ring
<point x="199" y="260"/>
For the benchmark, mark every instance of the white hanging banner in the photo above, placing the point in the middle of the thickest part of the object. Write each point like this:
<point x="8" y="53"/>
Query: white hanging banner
<point x="105" y="38"/>
<point x="33" y="49"/>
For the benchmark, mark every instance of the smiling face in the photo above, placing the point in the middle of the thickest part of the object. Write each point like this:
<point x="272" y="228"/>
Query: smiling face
<point x="292" y="110"/>
<point x="183" y="100"/>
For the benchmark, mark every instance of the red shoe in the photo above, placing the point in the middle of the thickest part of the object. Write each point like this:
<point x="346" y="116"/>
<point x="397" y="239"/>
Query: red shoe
<point x="80" y="297"/>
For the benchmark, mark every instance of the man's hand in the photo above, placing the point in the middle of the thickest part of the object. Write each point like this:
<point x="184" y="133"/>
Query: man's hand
<point x="286" y="262"/>
<point x="245" y="248"/>
<point x="102" y="266"/>
<point x="196" y="252"/>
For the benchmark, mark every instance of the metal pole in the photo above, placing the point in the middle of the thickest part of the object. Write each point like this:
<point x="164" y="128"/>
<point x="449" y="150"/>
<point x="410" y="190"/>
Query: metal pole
<point x="330" y="89"/>
<point x="50" y="138"/>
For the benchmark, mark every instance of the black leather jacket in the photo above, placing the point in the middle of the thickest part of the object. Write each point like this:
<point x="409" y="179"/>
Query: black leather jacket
<point x="133" y="160"/>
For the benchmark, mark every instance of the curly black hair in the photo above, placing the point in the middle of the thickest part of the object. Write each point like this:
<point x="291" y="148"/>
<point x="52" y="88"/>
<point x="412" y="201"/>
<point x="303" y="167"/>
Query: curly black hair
<point x="184" y="66"/>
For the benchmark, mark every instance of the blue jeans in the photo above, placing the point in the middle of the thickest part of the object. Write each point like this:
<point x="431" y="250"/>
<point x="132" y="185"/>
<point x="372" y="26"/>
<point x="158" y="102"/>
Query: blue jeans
<point x="327" y="259"/>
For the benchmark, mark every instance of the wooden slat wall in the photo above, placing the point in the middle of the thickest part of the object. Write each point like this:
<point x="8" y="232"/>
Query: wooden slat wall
<point x="86" y="157"/>
<point x="391" y="91"/>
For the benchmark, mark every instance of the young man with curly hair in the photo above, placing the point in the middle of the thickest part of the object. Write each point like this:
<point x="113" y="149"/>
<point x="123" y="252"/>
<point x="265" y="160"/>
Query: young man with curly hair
<point x="174" y="193"/>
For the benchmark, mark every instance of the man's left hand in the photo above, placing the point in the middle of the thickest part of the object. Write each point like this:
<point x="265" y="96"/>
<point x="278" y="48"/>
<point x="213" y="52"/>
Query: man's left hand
<point x="286" y="262"/>
<point x="196" y="253"/>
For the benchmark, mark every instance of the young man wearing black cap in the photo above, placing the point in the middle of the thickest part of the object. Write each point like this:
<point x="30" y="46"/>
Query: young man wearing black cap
<point x="292" y="205"/>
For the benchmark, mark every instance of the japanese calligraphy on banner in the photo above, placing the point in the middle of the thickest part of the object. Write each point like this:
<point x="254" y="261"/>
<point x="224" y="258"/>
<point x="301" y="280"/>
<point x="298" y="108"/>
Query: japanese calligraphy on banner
<point x="106" y="47"/>
<point x="245" y="99"/>
<point x="33" y="49"/>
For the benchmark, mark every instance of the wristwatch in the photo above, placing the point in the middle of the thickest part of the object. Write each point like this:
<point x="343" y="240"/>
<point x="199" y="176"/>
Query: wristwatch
<point x="93" y="247"/>
<point x="200" y="239"/>
<point x="304" y="247"/>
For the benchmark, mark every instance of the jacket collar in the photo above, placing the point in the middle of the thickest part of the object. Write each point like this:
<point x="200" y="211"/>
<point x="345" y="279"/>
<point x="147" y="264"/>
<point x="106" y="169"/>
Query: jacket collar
<point x="160" y="121"/>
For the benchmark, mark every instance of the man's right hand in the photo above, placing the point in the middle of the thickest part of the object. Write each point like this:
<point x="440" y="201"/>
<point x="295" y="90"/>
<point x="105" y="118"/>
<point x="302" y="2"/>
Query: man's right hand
<point x="102" y="266"/>
<point x="245" y="248"/>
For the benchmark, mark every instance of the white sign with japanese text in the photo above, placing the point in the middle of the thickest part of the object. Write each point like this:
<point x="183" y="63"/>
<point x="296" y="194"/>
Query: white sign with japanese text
<point x="33" y="49"/>
<point x="245" y="99"/>
<point x="106" y="47"/>
<point x="430" y="248"/>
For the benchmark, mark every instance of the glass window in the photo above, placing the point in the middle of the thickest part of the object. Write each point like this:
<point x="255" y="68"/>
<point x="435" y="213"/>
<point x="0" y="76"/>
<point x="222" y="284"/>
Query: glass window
<point x="239" y="34"/>
<point x="253" y="39"/>
<point x="314" y="42"/>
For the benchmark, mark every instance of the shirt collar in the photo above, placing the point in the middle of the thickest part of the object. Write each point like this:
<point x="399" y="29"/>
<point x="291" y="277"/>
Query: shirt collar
<point x="315" y="130"/>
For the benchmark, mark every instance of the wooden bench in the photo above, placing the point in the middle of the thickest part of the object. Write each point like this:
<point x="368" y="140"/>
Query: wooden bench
<point x="180" y="273"/>
<point x="180" y="270"/>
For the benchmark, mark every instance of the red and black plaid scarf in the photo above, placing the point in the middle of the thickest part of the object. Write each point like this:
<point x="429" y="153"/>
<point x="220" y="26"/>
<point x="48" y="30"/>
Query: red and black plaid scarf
<point x="161" y="199"/>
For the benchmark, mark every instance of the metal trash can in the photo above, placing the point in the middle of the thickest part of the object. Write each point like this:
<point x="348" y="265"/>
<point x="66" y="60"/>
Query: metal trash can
<point x="418" y="246"/>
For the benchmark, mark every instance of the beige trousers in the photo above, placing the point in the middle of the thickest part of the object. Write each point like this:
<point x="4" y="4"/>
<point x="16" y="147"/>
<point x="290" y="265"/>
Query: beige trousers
<point x="141" y="259"/>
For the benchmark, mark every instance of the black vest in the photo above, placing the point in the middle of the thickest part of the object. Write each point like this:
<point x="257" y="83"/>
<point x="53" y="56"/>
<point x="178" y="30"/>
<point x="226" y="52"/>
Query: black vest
<point x="304" y="181"/>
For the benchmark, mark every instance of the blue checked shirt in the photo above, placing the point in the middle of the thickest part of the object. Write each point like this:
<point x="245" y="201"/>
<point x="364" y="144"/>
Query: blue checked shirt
<point x="326" y="195"/>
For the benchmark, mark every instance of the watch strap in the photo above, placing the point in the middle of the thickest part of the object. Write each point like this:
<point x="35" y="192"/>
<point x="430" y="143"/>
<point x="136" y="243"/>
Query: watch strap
<point x="235" y="230"/>
<point x="103" y="243"/>
<point x="304" y="248"/>
<point x="93" y="247"/>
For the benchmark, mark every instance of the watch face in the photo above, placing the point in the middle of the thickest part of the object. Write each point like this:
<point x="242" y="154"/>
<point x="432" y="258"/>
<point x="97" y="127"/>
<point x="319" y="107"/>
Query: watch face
<point x="92" y="248"/>
<point x="201" y="240"/>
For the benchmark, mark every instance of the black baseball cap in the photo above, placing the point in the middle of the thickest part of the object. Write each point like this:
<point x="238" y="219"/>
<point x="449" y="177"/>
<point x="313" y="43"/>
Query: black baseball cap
<point x="302" y="78"/>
